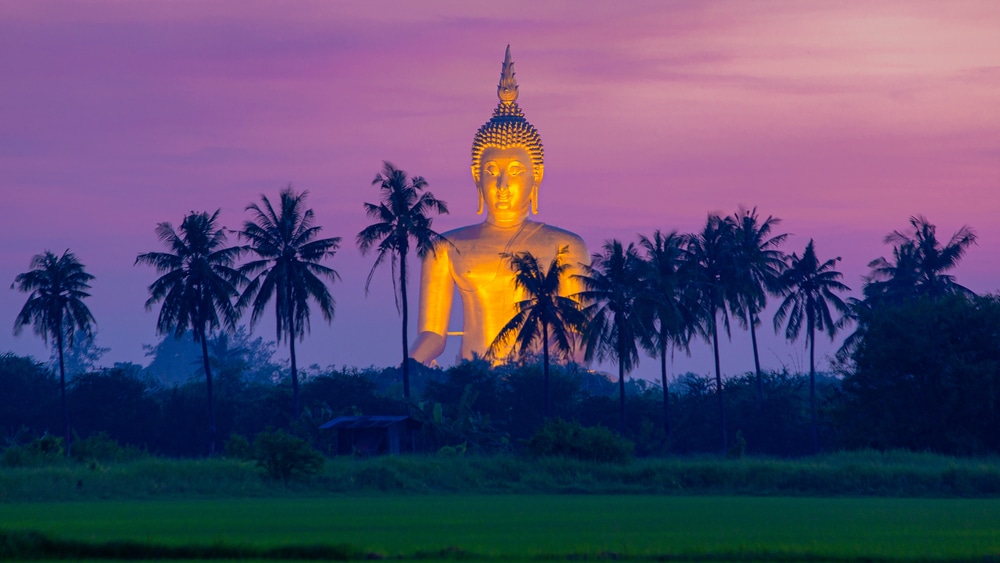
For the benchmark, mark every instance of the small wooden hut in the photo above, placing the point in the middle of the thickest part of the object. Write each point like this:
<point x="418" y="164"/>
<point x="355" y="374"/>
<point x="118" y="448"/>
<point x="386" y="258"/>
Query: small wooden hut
<point x="374" y="435"/>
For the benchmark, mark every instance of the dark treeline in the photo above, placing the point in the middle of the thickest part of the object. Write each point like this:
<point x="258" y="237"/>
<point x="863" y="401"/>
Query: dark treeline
<point x="485" y="409"/>
<point x="923" y="377"/>
<point x="921" y="369"/>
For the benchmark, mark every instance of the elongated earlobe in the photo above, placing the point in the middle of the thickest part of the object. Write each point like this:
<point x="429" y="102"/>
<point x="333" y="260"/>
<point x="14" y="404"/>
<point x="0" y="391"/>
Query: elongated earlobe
<point x="539" y="172"/>
<point x="479" y="191"/>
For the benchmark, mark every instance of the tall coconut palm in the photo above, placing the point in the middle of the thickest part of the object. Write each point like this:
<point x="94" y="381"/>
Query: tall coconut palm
<point x="287" y="268"/>
<point x="758" y="263"/>
<point x="56" y="287"/>
<point x="400" y="217"/>
<point x="893" y="280"/>
<point x="919" y="263"/>
<point x="613" y="289"/>
<point x="667" y="312"/>
<point x="198" y="287"/>
<point x="712" y="272"/>
<point x="543" y="316"/>
<point x="810" y="289"/>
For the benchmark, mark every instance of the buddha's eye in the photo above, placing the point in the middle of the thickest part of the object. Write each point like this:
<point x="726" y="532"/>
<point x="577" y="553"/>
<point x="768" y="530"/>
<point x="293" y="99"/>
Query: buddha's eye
<point x="515" y="169"/>
<point x="492" y="169"/>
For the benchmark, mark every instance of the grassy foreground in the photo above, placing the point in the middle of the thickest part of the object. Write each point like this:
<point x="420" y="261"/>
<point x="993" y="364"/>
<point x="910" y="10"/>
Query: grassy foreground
<point x="515" y="527"/>
<point x="898" y="474"/>
<point x="843" y="507"/>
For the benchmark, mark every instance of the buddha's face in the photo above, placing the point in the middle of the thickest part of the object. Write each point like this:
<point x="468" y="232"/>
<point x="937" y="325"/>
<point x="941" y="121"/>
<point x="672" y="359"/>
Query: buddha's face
<point x="508" y="185"/>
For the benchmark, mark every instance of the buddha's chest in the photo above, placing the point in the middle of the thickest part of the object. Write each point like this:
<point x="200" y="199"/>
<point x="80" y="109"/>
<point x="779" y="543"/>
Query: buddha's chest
<point x="479" y="264"/>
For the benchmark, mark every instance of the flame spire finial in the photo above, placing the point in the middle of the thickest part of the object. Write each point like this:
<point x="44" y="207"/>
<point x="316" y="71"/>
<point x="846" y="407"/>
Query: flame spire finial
<point x="507" y="88"/>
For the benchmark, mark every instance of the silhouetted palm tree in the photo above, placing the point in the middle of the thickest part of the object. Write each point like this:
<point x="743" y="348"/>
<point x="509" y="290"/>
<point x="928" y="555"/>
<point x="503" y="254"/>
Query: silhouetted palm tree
<point x="401" y="215"/>
<point x="918" y="264"/>
<point x="197" y="288"/>
<point x="56" y="287"/>
<point x="288" y="270"/>
<point x="758" y="263"/>
<point x="613" y="288"/>
<point x="810" y="289"/>
<point x="859" y="313"/>
<point x="665" y="307"/>
<point x="543" y="316"/>
<point x="711" y="265"/>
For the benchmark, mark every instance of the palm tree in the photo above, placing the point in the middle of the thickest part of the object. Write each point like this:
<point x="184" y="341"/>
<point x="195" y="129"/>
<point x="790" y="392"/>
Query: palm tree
<point x="666" y="311"/>
<point x="543" y="316"/>
<point x="711" y="267"/>
<point x="919" y="262"/>
<point x="287" y="269"/>
<point x="401" y="215"/>
<point x="810" y="288"/>
<point x="197" y="288"/>
<point x="758" y="263"/>
<point x="56" y="287"/>
<point x="613" y="288"/>
<point x="895" y="280"/>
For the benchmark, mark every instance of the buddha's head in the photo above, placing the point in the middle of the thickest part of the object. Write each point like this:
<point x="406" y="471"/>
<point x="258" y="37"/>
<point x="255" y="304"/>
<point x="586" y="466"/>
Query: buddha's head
<point x="507" y="157"/>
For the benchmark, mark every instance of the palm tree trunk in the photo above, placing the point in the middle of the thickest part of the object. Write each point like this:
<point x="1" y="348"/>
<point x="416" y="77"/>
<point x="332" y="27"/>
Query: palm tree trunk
<point x="545" y="370"/>
<point x="718" y="386"/>
<point x="406" y="348"/>
<point x="621" y="386"/>
<point x="62" y="386"/>
<point x="752" y="321"/>
<point x="208" y="383"/>
<point x="812" y="386"/>
<point x="296" y="405"/>
<point x="666" y="391"/>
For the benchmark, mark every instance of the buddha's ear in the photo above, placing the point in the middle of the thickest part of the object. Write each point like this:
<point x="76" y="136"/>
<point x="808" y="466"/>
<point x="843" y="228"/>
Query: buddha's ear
<point x="479" y="191"/>
<point x="539" y="171"/>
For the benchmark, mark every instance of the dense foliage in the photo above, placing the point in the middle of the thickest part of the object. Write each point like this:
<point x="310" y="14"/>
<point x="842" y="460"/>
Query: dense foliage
<point x="926" y="376"/>
<point x="472" y="405"/>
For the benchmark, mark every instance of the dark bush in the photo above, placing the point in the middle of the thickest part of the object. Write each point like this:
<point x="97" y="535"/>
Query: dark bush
<point x="284" y="457"/>
<point x="238" y="447"/>
<point x="101" y="447"/>
<point x="46" y="450"/>
<point x="573" y="440"/>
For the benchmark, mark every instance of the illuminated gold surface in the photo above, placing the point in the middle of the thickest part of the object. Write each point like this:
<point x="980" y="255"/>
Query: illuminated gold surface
<point x="507" y="169"/>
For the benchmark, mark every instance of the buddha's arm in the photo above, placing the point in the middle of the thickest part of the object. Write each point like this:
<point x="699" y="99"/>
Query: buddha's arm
<point x="436" y="289"/>
<point x="578" y="254"/>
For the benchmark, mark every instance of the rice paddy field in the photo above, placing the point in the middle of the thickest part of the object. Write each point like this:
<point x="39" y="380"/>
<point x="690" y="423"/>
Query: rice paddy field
<point x="857" y="506"/>
<point x="508" y="527"/>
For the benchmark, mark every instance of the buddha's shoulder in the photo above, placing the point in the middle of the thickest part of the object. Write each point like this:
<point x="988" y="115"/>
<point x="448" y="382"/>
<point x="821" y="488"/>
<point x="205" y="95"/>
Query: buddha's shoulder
<point x="552" y="231"/>
<point x="553" y="234"/>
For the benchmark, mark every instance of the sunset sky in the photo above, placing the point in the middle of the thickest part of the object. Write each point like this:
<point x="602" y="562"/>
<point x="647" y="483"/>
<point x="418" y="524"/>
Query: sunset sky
<point x="841" y="118"/>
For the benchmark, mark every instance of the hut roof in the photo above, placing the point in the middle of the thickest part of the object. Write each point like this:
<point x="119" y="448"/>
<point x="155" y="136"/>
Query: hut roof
<point x="361" y="422"/>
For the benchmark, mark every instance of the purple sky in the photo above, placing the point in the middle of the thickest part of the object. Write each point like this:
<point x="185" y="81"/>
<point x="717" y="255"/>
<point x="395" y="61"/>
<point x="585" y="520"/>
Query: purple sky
<point x="843" y="119"/>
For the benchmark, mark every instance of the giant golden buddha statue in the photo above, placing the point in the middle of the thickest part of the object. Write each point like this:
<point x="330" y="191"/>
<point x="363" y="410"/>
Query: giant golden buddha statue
<point x="507" y="168"/>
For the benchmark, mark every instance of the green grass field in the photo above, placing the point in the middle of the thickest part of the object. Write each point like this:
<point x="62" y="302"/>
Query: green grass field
<point x="542" y="527"/>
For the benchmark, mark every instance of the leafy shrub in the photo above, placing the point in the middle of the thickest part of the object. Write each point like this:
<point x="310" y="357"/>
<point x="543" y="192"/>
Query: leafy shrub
<point x="46" y="450"/>
<point x="379" y="476"/>
<point x="283" y="456"/>
<point x="238" y="447"/>
<point x="101" y="447"/>
<point x="738" y="448"/>
<point x="573" y="440"/>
